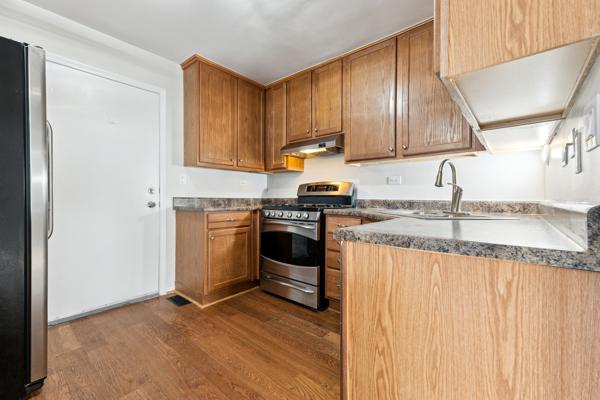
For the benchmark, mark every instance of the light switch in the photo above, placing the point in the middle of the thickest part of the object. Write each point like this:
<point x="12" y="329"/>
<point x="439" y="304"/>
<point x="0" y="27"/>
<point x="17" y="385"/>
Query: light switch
<point x="591" y="130"/>
<point x="183" y="179"/>
<point x="394" y="180"/>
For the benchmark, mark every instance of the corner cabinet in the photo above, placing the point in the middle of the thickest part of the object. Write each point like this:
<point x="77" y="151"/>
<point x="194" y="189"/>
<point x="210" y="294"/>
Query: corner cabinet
<point x="216" y="254"/>
<point x="223" y="118"/>
<point x="250" y="108"/>
<point x="275" y="132"/>
<point x="369" y="103"/>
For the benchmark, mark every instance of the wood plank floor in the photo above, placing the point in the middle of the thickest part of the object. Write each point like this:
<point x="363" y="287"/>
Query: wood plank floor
<point x="254" y="346"/>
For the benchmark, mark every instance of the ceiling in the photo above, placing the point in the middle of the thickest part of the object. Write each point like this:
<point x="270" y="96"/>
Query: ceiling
<point x="262" y="39"/>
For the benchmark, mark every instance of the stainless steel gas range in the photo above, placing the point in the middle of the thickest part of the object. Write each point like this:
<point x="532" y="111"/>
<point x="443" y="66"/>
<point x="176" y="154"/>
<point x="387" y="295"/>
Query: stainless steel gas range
<point x="292" y="250"/>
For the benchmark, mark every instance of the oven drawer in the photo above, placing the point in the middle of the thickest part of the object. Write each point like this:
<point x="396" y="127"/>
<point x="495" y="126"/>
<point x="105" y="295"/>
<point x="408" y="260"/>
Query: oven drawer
<point x="229" y="219"/>
<point x="306" y="274"/>
<point x="296" y="291"/>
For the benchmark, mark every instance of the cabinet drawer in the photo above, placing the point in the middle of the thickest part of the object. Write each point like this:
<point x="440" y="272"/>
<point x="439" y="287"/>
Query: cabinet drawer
<point x="333" y="284"/>
<point x="231" y="219"/>
<point x="333" y="259"/>
<point x="332" y="244"/>
<point x="336" y="222"/>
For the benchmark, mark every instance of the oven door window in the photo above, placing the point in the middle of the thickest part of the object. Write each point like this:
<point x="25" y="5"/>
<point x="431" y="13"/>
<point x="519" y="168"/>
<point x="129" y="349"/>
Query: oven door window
<point x="290" y="248"/>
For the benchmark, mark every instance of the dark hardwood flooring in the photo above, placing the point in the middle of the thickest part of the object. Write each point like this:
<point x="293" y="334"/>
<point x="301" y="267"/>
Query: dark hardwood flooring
<point x="254" y="346"/>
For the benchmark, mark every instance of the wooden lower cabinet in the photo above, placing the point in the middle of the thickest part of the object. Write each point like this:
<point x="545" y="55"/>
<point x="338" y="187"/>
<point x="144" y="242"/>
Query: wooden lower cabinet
<point x="333" y="258"/>
<point x="217" y="254"/>
<point x="424" y="325"/>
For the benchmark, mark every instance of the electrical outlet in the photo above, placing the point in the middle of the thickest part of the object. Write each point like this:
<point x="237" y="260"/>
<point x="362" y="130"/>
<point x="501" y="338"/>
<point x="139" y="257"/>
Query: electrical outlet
<point x="183" y="179"/>
<point x="394" y="180"/>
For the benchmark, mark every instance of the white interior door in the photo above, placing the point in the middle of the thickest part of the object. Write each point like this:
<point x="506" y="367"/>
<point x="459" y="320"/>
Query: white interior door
<point x="105" y="246"/>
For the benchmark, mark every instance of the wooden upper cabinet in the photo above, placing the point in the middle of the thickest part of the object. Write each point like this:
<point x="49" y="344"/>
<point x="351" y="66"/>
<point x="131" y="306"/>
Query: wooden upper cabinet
<point x="218" y="116"/>
<point x="370" y="102"/>
<point x="275" y="127"/>
<point x="327" y="99"/>
<point x="298" y="105"/>
<point x="229" y="258"/>
<point x="428" y="120"/>
<point x="250" y="126"/>
<point x="481" y="33"/>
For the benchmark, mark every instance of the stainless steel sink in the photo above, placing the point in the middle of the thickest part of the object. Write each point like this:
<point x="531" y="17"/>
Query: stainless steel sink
<point x="444" y="215"/>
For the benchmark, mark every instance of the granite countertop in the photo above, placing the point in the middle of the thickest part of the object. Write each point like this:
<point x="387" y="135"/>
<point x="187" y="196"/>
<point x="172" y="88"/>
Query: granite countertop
<point x="532" y="238"/>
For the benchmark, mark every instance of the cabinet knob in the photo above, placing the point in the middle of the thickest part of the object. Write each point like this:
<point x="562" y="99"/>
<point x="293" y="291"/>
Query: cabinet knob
<point x="212" y="238"/>
<point x="316" y="129"/>
<point x="404" y="147"/>
<point x="391" y="149"/>
<point x="308" y="131"/>
<point x="240" y="160"/>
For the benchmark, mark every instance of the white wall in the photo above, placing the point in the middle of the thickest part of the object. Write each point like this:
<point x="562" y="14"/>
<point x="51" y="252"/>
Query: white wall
<point x="507" y="176"/>
<point x="24" y="22"/>
<point x="561" y="182"/>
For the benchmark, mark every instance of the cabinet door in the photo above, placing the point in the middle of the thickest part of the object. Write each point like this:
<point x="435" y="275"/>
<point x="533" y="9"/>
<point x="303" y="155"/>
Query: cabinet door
<point x="370" y="102"/>
<point x="218" y="117"/>
<point x="432" y="123"/>
<point x="327" y="99"/>
<point x="250" y="126"/>
<point x="229" y="257"/>
<point x="275" y="127"/>
<point x="298" y="104"/>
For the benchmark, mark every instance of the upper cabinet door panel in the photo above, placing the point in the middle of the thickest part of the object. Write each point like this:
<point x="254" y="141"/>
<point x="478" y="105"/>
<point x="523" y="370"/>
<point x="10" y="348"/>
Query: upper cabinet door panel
<point x="218" y="116"/>
<point x="250" y="126"/>
<point x="370" y="102"/>
<point x="275" y="127"/>
<point x="481" y="33"/>
<point x="299" y="108"/>
<point x="435" y="123"/>
<point x="327" y="99"/>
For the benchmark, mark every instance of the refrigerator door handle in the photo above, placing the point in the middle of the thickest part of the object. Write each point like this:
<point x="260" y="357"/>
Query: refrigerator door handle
<point x="50" y="142"/>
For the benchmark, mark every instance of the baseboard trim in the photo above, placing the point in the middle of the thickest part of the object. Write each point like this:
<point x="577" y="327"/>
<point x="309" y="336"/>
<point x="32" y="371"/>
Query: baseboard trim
<point x="103" y="309"/>
<point x="203" y="306"/>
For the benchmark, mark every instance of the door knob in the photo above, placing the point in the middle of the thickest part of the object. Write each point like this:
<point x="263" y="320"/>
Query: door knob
<point x="151" y="204"/>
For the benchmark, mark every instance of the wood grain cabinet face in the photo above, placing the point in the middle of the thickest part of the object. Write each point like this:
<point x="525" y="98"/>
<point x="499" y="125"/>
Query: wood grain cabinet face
<point x="250" y="126"/>
<point x="427" y="118"/>
<point x="298" y="108"/>
<point x="229" y="257"/>
<point x="218" y="117"/>
<point x="275" y="127"/>
<point x="327" y="99"/>
<point x="370" y="102"/>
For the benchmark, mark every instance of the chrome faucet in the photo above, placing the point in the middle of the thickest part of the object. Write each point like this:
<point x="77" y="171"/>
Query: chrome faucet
<point x="456" y="190"/>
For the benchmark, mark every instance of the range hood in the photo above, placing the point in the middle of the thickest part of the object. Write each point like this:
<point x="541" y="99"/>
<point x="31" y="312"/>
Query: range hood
<point x="315" y="147"/>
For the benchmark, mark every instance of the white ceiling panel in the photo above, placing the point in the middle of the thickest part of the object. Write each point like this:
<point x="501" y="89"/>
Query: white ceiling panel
<point x="262" y="39"/>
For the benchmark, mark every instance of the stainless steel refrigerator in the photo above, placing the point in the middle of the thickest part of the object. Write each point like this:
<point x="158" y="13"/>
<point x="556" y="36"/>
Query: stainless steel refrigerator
<point x="25" y="218"/>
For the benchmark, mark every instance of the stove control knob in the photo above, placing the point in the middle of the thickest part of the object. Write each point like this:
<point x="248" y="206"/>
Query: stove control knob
<point x="267" y="213"/>
<point x="280" y="214"/>
<point x="298" y="215"/>
<point x="305" y="215"/>
<point x="289" y="214"/>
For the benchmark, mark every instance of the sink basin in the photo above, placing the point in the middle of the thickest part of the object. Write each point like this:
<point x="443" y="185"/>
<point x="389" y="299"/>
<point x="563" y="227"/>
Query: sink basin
<point x="444" y="215"/>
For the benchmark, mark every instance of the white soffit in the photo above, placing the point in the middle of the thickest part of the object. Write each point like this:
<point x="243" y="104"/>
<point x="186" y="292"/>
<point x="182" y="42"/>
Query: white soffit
<point x="525" y="137"/>
<point x="262" y="39"/>
<point x="536" y="85"/>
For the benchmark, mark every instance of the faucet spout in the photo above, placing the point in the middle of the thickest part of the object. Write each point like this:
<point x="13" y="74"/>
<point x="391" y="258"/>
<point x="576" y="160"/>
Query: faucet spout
<point x="456" y="190"/>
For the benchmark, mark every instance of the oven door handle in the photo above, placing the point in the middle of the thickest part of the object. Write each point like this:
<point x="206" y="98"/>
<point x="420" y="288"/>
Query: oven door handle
<point x="288" y="223"/>
<point x="310" y="231"/>
<point x="269" y="277"/>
